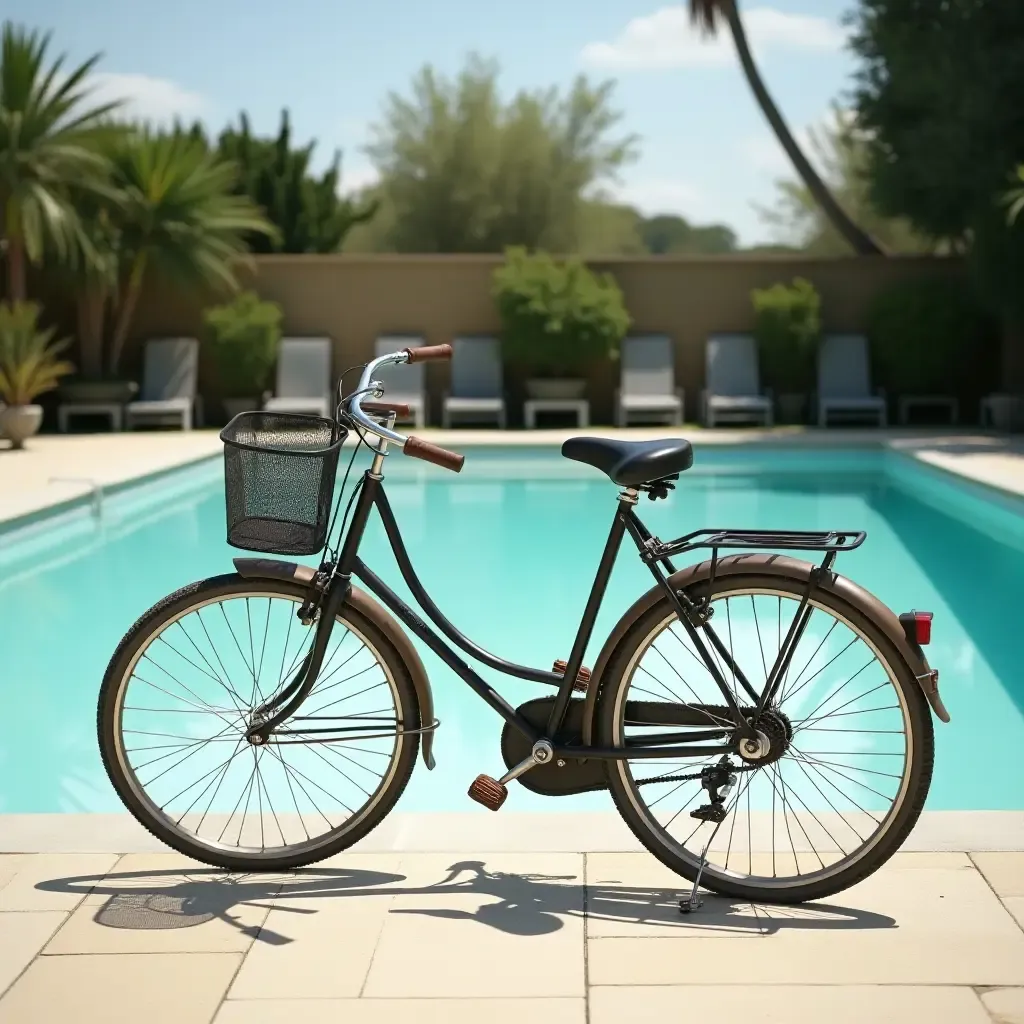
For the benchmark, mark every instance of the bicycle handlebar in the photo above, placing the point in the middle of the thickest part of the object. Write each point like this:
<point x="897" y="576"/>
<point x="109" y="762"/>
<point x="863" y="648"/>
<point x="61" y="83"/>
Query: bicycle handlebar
<point x="425" y="352"/>
<point x="364" y="401"/>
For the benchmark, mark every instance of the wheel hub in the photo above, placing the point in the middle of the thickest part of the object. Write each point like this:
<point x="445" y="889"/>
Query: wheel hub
<point x="774" y="734"/>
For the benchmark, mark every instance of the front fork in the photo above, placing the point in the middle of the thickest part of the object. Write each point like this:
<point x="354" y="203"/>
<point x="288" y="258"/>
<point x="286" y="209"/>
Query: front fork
<point x="331" y="592"/>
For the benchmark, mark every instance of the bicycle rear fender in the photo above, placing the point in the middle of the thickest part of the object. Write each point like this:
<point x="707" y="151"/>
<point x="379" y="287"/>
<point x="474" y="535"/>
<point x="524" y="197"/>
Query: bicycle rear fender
<point x="364" y="605"/>
<point x="765" y="564"/>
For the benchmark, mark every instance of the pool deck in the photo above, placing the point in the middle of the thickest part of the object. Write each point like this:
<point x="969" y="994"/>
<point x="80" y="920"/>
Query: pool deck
<point x="58" y="471"/>
<point x="409" y="937"/>
<point x="498" y="918"/>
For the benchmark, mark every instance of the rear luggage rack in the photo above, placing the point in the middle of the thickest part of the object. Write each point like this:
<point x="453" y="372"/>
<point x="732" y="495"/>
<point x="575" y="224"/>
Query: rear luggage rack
<point x="779" y="540"/>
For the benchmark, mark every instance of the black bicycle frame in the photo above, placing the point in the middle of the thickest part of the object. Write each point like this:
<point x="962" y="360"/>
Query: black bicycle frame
<point x="655" y="555"/>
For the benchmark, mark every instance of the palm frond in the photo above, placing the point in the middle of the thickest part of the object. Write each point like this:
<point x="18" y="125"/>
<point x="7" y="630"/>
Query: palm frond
<point x="705" y="14"/>
<point x="30" y="363"/>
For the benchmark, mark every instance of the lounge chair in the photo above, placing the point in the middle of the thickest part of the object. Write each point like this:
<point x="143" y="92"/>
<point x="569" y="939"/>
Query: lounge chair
<point x="476" y="382"/>
<point x="648" y="385"/>
<point x="732" y="378"/>
<point x="304" y="380"/>
<point x="170" y="372"/>
<point x="844" y="381"/>
<point x="403" y="383"/>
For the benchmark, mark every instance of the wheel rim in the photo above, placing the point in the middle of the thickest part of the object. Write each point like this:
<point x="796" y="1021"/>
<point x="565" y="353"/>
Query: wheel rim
<point x="835" y="793"/>
<point x="180" y="741"/>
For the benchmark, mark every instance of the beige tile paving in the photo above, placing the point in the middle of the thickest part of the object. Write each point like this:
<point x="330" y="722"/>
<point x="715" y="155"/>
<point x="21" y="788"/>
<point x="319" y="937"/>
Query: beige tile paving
<point x="1015" y="905"/>
<point x="22" y="936"/>
<point x="1006" y="1005"/>
<point x="924" y="926"/>
<point x="513" y="927"/>
<point x="53" y="881"/>
<point x="787" y="1004"/>
<point x="164" y="903"/>
<point x="318" y="941"/>
<point x="1004" y="871"/>
<point x="9" y="864"/>
<point x="631" y="894"/>
<point x="401" y="1011"/>
<point x="176" y="988"/>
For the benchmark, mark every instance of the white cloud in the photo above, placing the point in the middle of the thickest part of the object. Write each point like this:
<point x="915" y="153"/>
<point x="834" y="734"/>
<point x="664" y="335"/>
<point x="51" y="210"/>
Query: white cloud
<point x="145" y="98"/>
<point x="762" y="152"/>
<point x="668" y="39"/>
<point x="356" y="176"/>
<point x="662" y="195"/>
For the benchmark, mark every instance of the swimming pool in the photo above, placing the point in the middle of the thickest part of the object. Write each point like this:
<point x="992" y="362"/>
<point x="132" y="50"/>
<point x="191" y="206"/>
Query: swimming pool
<point x="508" y="550"/>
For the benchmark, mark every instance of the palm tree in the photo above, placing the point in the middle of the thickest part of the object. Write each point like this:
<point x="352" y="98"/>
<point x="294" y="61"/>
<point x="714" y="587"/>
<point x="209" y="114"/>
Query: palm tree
<point x="177" y="219"/>
<point x="46" y="131"/>
<point x="708" y="15"/>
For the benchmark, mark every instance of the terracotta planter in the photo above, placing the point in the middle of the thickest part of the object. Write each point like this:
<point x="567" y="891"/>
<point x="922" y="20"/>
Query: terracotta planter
<point x="555" y="389"/>
<point x="233" y="406"/>
<point x="102" y="392"/>
<point x="20" y="422"/>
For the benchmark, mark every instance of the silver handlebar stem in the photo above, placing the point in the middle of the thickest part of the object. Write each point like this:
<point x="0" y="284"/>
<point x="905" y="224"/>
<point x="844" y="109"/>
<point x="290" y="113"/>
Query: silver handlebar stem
<point x="369" y="386"/>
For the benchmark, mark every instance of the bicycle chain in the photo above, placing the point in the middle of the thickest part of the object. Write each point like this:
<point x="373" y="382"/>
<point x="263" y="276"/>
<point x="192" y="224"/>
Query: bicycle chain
<point x="732" y="769"/>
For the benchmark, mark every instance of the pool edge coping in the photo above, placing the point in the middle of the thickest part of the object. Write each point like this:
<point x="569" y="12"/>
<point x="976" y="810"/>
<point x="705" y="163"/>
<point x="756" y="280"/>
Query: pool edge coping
<point x="789" y="440"/>
<point x="554" y="831"/>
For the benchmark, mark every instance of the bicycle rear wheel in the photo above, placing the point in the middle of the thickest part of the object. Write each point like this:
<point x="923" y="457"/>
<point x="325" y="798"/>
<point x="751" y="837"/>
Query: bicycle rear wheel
<point x="176" y="701"/>
<point x="851" y="739"/>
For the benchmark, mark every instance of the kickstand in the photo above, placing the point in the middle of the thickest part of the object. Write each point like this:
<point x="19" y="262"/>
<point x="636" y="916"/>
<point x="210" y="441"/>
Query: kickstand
<point x="694" y="902"/>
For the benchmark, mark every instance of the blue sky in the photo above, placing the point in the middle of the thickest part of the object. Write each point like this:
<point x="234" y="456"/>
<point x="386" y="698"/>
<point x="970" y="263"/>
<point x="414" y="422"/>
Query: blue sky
<point x="705" y="150"/>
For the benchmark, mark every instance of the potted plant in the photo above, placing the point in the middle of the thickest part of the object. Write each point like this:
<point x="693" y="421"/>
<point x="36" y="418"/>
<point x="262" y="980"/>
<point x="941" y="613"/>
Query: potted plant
<point x="30" y="365"/>
<point x="243" y="336"/>
<point x="787" y="326"/>
<point x="558" y="318"/>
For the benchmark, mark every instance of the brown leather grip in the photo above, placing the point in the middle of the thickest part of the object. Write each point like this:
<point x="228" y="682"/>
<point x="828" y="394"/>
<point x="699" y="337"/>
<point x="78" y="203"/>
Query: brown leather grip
<point x="398" y="408"/>
<point x="420" y="449"/>
<point x="424" y="352"/>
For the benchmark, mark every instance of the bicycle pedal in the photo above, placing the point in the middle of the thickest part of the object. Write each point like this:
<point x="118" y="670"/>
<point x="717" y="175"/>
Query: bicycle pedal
<point x="489" y="792"/>
<point x="582" y="677"/>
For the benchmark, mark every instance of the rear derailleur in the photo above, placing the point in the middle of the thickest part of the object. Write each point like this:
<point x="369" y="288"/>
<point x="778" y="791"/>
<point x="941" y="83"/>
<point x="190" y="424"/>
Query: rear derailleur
<point x="718" y="780"/>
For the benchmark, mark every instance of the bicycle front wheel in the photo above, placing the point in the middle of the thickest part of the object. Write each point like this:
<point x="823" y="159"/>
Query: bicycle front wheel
<point x="851" y="744"/>
<point x="178" y="697"/>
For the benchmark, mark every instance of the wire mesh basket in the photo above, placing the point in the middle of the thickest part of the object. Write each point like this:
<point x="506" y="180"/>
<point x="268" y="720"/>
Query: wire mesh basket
<point x="279" y="471"/>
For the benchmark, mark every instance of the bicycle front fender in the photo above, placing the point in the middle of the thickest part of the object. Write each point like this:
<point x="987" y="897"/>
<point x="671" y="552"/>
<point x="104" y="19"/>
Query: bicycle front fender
<point x="765" y="564"/>
<point x="364" y="605"/>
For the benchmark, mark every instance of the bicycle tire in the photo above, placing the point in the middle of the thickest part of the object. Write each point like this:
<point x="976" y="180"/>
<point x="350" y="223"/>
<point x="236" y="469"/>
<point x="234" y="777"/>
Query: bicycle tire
<point x="625" y="793"/>
<point x="174" y="607"/>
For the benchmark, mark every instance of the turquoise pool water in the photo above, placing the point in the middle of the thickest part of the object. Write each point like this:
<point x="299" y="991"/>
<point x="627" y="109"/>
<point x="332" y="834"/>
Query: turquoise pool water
<point x="508" y="551"/>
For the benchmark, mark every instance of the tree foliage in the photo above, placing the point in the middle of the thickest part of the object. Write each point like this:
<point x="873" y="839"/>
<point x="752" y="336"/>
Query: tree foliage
<point x="47" y="127"/>
<point x="842" y="152"/>
<point x="307" y="210"/>
<point x="463" y="171"/>
<point x="941" y="90"/>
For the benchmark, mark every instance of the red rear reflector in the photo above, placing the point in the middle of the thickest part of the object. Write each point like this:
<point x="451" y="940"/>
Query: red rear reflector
<point x="922" y="627"/>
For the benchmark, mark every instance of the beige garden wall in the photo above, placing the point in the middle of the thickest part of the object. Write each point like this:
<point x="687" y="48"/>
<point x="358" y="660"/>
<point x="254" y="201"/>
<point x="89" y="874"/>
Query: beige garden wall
<point x="354" y="299"/>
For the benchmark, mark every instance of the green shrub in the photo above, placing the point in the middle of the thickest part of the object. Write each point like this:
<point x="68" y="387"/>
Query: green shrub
<point x="558" y="317"/>
<point x="787" y="326"/>
<point x="928" y="336"/>
<point x="30" y="363"/>
<point x="243" y="335"/>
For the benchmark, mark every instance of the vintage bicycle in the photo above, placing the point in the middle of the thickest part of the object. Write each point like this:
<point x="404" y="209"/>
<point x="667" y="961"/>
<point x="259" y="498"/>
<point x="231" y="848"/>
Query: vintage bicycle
<point x="762" y="724"/>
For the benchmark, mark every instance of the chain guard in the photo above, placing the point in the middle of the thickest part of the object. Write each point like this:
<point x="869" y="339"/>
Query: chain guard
<point x="549" y="779"/>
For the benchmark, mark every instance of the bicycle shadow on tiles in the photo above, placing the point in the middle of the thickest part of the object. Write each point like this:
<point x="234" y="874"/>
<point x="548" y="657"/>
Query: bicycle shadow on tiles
<point x="468" y="891"/>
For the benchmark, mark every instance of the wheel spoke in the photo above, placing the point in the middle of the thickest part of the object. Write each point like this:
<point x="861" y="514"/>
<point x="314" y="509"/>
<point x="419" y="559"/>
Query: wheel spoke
<point x="809" y="813"/>
<point x="194" y="769"/>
